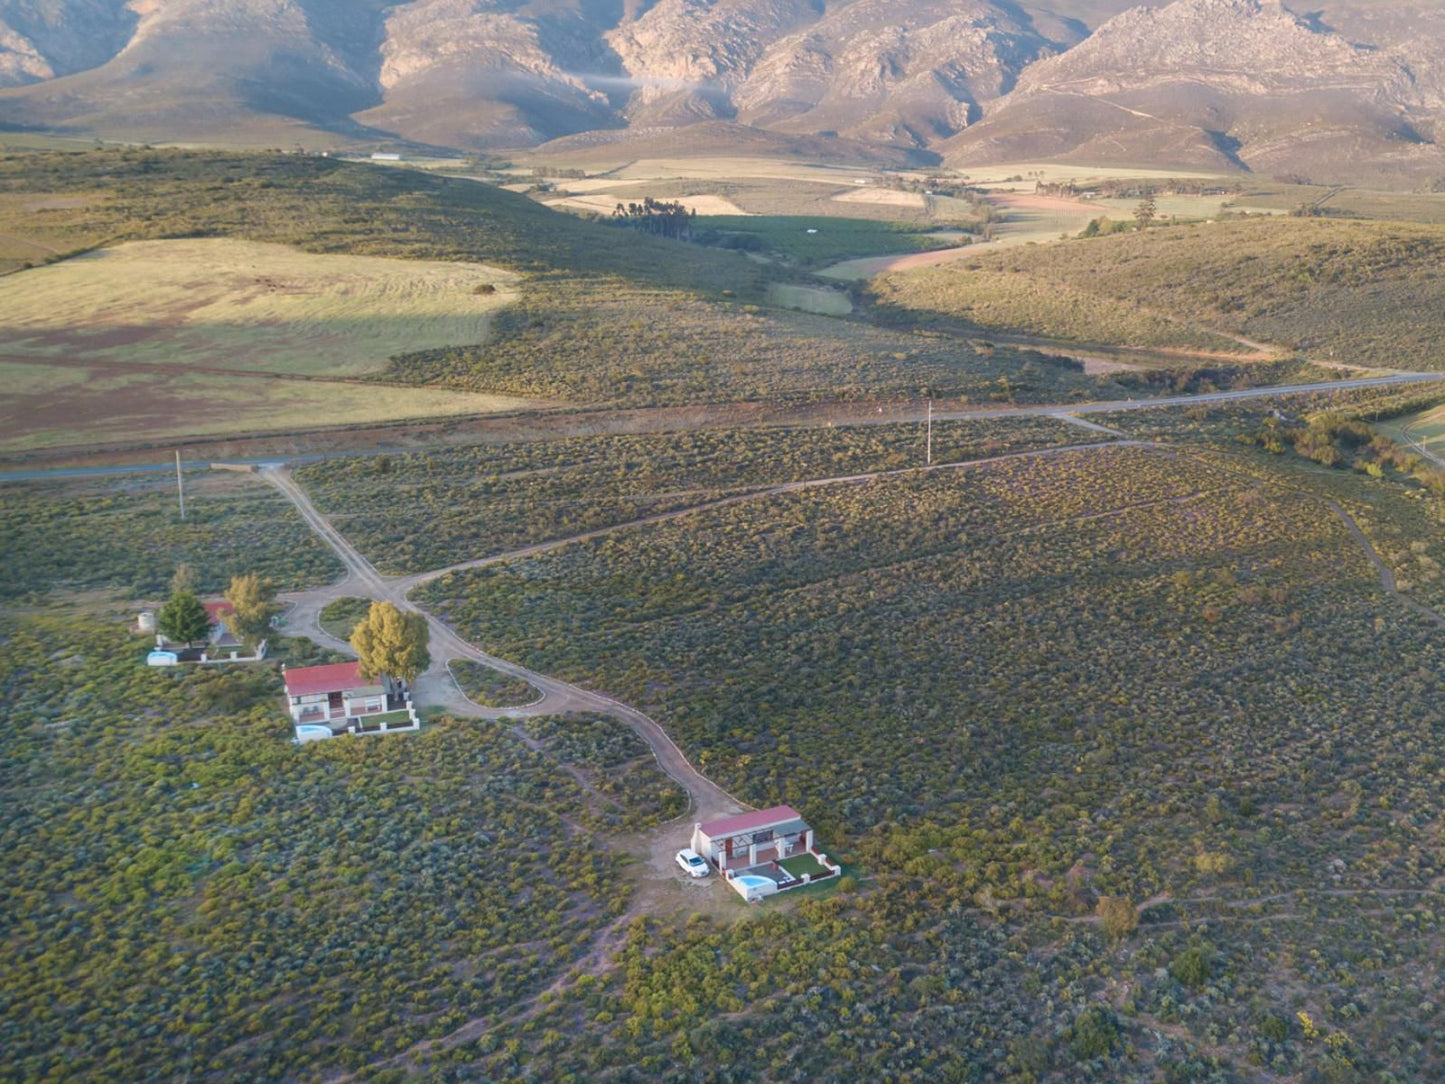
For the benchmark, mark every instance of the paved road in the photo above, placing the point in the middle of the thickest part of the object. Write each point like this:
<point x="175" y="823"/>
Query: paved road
<point x="862" y="417"/>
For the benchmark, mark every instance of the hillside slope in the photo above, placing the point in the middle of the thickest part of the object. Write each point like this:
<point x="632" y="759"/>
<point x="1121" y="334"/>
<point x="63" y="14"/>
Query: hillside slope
<point x="1365" y="293"/>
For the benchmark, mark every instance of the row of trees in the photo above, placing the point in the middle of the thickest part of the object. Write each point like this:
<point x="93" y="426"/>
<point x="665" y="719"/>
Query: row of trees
<point x="386" y="640"/>
<point x="660" y="218"/>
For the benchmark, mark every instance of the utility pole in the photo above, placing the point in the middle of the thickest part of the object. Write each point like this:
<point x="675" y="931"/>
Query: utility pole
<point x="930" y="434"/>
<point x="180" y="488"/>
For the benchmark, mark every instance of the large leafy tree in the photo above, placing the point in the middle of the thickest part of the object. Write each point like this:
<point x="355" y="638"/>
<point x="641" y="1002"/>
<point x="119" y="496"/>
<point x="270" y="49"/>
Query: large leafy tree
<point x="254" y="601"/>
<point x="183" y="619"/>
<point x="391" y="642"/>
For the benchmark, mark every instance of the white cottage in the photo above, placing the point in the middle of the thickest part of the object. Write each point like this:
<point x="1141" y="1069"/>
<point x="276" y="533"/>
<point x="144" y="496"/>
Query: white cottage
<point x="326" y="701"/>
<point x="751" y="839"/>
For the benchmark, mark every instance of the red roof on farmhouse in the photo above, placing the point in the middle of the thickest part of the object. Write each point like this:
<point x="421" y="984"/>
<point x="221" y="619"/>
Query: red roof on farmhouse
<point x="307" y="680"/>
<point x="743" y="822"/>
<point x="217" y="610"/>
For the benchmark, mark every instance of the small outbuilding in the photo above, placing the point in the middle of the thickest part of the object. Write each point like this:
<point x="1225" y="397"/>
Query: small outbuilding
<point x="220" y="645"/>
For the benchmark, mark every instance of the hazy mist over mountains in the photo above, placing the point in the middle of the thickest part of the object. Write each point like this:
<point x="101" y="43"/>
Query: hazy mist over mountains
<point x="1342" y="89"/>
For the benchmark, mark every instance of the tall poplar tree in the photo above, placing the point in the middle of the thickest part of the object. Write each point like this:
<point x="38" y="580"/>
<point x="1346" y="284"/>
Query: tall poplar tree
<point x="391" y="642"/>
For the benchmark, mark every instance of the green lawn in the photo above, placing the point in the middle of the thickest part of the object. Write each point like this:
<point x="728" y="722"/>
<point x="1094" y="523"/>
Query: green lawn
<point x="390" y="718"/>
<point x="800" y="864"/>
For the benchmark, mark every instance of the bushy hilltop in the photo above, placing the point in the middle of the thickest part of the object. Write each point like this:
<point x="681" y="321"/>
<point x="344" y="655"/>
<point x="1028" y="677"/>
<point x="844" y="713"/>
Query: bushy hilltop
<point x="1216" y="83"/>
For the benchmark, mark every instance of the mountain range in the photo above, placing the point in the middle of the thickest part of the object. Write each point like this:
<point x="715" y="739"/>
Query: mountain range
<point x="1348" y="90"/>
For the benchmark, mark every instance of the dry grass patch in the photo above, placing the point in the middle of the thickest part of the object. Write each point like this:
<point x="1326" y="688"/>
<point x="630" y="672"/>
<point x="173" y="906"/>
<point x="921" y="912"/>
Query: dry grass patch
<point x="246" y="305"/>
<point x="818" y="299"/>
<point x="887" y="196"/>
<point x="53" y="404"/>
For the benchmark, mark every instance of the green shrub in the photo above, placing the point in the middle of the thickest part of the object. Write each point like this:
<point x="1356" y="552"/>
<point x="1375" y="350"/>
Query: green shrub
<point x="1095" y="1034"/>
<point x="1274" y="1028"/>
<point x="1191" y="967"/>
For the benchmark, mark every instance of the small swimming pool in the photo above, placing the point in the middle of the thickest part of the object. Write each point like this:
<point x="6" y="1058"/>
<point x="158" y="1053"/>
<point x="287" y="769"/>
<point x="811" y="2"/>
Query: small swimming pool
<point x="751" y="887"/>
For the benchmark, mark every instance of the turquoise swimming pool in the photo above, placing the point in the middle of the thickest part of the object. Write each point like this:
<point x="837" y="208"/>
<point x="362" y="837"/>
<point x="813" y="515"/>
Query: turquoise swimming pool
<point x="752" y="887"/>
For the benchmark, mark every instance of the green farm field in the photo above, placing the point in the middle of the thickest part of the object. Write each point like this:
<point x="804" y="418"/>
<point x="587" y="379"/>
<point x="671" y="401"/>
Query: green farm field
<point x="1425" y="429"/>
<point x="814" y="241"/>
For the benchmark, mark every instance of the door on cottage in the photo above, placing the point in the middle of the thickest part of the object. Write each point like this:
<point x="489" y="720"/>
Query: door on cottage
<point x="333" y="703"/>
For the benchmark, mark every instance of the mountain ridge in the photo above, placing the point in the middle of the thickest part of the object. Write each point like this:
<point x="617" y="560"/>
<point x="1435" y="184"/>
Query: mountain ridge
<point x="1354" y="88"/>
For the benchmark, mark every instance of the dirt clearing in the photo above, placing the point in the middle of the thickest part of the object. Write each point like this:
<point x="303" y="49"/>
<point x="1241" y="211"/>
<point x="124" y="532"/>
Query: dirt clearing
<point x="869" y="266"/>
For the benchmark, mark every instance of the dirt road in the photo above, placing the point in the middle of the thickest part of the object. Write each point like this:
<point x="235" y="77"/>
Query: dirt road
<point x="436" y="686"/>
<point x="512" y="428"/>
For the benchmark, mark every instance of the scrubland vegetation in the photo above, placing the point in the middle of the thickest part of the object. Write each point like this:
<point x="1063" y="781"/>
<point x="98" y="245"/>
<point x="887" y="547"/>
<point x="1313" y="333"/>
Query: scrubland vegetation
<point x="612" y="763"/>
<point x="489" y="499"/>
<point x="617" y="344"/>
<point x="1008" y="299"/>
<point x="342" y="616"/>
<point x="1005" y="692"/>
<point x="491" y="688"/>
<point x="1130" y="756"/>
<point x="603" y="317"/>
<point x="233" y="906"/>
<point x="128" y="535"/>
<point x="1369" y="293"/>
<point x="1336" y="445"/>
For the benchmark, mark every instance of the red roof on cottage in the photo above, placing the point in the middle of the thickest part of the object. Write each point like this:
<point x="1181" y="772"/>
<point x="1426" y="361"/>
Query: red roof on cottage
<point x="217" y="611"/>
<point x="334" y="677"/>
<point x="747" y="822"/>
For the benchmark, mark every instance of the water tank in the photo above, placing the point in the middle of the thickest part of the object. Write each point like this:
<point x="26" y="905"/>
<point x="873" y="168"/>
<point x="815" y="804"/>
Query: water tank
<point x="146" y="622"/>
